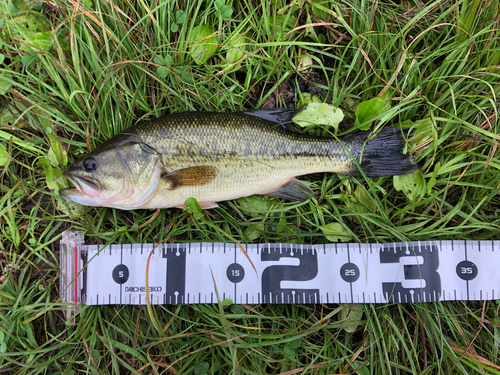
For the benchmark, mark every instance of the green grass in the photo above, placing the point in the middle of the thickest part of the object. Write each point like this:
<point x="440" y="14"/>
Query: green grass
<point x="72" y="77"/>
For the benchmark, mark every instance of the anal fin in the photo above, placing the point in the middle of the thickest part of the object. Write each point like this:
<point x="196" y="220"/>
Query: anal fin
<point x="293" y="190"/>
<point x="208" y="205"/>
<point x="203" y="205"/>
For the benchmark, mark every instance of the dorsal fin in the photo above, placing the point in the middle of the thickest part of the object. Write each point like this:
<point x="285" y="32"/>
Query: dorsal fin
<point x="282" y="116"/>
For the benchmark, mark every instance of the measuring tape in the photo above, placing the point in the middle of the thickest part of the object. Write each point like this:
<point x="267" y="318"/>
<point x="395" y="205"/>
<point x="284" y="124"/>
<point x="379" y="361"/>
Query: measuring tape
<point x="277" y="273"/>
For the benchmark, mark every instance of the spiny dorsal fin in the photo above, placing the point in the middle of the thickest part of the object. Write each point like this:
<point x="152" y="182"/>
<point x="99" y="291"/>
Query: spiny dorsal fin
<point x="282" y="116"/>
<point x="193" y="176"/>
<point x="293" y="190"/>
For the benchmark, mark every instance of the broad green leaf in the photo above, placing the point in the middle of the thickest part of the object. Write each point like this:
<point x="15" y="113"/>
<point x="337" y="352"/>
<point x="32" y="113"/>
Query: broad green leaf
<point x="180" y="17"/>
<point x="52" y="158"/>
<point x="203" y="43"/>
<point x="30" y="24"/>
<point x="162" y="72"/>
<point x="2" y="57"/>
<point x="364" y="197"/>
<point x="4" y="155"/>
<point x="88" y="4"/>
<point x="424" y="131"/>
<point x="386" y="98"/>
<point x="349" y="103"/>
<point x="158" y="60"/>
<point x="70" y="208"/>
<point x="57" y="154"/>
<point x="182" y="73"/>
<point x="226" y="12"/>
<point x="32" y="31"/>
<point x="319" y="114"/>
<point x="290" y="352"/>
<point x="5" y="84"/>
<point x="362" y="368"/>
<point x="310" y="31"/>
<point x="430" y="184"/>
<point x="56" y="181"/>
<point x="202" y="368"/>
<point x="367" y="112"/>
<point x="317" y="11"/>
<point x="254" y="205"/>
<point x="306" y="98"/>
<point x="194" y="207"/>
<point x="351" y="315"/>
<point x="295" y="344"/>
<point x="53" y="176"/>
<point x="412" y="185"/>
<point x="304" y="62"/>
<point x="28" y="59"/>
<point x="11" y="8"/>
<point x="165" y="61"/>
<point x="226" y="302"/>
<point x="254" y="231"/>
<point x="218" y="4"/>
<point x="335" y="232"/>
<point x="282" y="227"/>
<point x="41" y="40"/>
<point x="235" y="51"/>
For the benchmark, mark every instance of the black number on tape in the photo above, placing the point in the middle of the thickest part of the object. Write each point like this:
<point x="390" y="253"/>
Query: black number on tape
<point x="426" y="270"/>
<point x="176" y="272"/>
<point x="272" y="276"/>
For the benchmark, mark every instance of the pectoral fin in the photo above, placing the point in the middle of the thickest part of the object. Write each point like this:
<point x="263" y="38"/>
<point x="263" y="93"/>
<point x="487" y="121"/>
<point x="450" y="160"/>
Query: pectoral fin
<point x="293" y="190"/>
<point x="194" y="176"/>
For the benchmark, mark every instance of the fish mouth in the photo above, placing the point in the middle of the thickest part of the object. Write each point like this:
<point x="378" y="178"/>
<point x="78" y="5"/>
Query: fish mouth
<point x="83" y="186"/>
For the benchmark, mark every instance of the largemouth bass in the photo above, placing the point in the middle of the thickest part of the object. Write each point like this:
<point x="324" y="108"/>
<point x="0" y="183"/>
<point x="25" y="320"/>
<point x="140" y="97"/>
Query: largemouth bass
<point x="215" y="157"/>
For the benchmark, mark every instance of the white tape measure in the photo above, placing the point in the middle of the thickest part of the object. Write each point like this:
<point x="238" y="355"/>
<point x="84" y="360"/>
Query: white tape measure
<point x="185" y="273"/>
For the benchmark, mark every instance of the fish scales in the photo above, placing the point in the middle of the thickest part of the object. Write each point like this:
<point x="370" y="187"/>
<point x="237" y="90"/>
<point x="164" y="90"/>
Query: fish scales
<point x="245" y="150"/>
<point x="215" y="157"/>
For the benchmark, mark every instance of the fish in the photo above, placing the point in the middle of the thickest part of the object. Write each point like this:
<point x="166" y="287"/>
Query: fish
<point x="220" y="156"/>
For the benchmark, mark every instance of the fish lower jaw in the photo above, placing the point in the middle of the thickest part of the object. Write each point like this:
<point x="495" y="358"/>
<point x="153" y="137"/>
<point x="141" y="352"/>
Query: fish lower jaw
<point x="74" y="195"/>
<point x="83" y="186"/>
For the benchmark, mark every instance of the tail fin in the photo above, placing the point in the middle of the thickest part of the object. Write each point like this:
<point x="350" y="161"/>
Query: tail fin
<point x="382" y="155"/>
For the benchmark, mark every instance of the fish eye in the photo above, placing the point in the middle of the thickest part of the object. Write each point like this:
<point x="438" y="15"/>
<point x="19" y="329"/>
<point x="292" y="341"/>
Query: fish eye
<point x="90" y="164"/>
